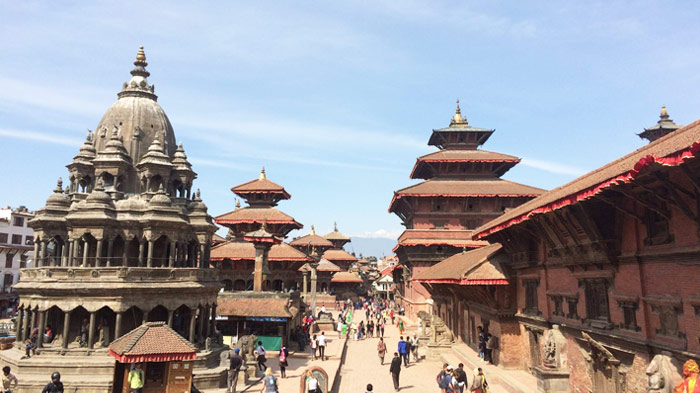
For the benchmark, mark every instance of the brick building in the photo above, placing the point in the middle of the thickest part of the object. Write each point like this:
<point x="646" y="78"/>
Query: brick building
<point x="462" y="190"/>
<point x="609" y="260"/>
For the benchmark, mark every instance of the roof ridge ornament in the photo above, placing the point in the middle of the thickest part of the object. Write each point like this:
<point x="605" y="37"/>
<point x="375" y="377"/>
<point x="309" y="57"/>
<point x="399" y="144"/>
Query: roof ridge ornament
<point x="313" y="231"/>
<point x="262" y="174"/>
<point x="457" y="119"/>
<point x="335" y="226"/>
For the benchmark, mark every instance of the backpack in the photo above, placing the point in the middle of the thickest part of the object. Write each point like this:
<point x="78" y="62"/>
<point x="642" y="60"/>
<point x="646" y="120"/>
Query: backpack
<point x="442" y="380"/>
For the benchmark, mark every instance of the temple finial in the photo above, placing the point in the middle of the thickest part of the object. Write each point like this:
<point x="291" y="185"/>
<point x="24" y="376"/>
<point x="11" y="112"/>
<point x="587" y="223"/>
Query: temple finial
<point x="59" y="186"/>
<point x="88" y="138"/>
<point x="335" y="227"/>
<point x="262" y="174"/>
<point x="664" y="113"/>
<point x="140" y="56"/>
<point x="238" y="203"/>
<point x="457" y="119"/>
<point x="313" y="231"/>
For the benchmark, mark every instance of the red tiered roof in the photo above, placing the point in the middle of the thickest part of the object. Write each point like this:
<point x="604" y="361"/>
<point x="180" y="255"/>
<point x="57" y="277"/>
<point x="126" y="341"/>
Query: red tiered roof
<point x="260" y="186"/>
<point x="339" y="255"/>
<point x="152" y="342"/>
<point x="257" y="215"/>
<point x="421" y="169"/>
<point x="245" y="251"/>
<point x="671" y="150"/>
<point x="346" y="277"/>
<point x="481" y="266"/>
<point x="438" y="237"/>
<point x="311" y="240"/>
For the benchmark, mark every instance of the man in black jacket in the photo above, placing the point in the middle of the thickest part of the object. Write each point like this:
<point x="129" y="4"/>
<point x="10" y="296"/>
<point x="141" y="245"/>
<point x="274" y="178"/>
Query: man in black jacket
<point x="234" y="367"/>
<point x="461" y="377"/>
<point x="395" y="370"/>
<point x="55" y="386"/>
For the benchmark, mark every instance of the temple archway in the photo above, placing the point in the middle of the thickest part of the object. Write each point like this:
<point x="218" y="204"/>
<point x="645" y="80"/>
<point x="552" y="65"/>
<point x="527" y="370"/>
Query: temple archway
<point x="277" y="285"/>
<point x="239" y="285"/>
<point x="228" y="285"/>
<point x="159" y="313"/>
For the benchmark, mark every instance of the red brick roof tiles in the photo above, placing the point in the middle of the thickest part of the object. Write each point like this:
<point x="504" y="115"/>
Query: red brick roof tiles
<point x="253" y="307"/>
<point x="311" y="240"/>
<point x="346" y="277"/>
<point x="481" y="266"/>
<point x="256" y="215"/>
<point x="671" y="150"/>
<point x="260" y="186"/>
<point x="338" y="255"/>
<point x="152" y="341"/>
<point x="241" y="250"/>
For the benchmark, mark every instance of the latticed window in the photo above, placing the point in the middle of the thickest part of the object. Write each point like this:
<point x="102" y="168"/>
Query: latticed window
<point x="572" y="302"/>
<point x="657" y="229"/>
<point x="597" y="299"/>
<point x="629" y="313"/>
<point x="558" y="308"/>
<point x="531" y="306"/>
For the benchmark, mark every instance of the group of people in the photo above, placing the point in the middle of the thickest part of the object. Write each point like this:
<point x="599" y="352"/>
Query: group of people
<point x="487" y="343"/>
<point x="453" y="380"/>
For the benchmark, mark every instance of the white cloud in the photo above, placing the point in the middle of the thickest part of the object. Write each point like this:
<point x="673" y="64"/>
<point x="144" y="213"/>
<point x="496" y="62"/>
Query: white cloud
<point x="553" y="167"/>
<point x="41" y="137"/>
<point x="381" y="233"/>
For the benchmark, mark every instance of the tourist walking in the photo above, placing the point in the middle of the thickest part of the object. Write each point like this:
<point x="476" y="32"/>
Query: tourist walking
<point x="56" y="386"/>
<point x="269" y="382"/>
<point x="9" y="381"/>
<point x="283" y="362"/>
<point x="136" y="379"/>
<point x="261" y="357"/>
<point x="448" y="383"/>
<point x="322" y="346"/>
<point x="339" y="329"/>
<point x="414" y="347"/>
<point x="381" y="350"/>
<point x="490" y="346"/>
<point x="395" y="370"/>
<point x="235" y="364"/>
<point x="311" y="382"/>
<point x="381" y="327"/>
<point x="479" y="384"/>
<point x="482" y="342"/>
<point x="313" y="347"/>
<point x="369" y="388"/>
<point x="400" y="325"/>
<point x="461" y="377"/>
<point x="403" y="350"/>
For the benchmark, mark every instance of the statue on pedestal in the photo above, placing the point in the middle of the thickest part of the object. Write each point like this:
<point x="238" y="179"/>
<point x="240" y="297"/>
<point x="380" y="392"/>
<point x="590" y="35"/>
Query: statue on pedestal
<point x="662" y="374"/>
<point x="554" y="351"/>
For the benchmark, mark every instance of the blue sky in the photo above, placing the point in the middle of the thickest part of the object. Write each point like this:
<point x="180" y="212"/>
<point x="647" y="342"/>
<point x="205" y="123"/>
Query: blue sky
<point x="337" y="99"/>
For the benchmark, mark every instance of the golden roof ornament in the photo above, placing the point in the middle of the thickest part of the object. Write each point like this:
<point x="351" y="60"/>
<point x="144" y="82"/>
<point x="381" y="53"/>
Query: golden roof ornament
<point x="335" y="226"/>
<point x="664" y="113"/>
<point x="262" y="174"/>
<point x="238" y="203"/>
<point x="457" y="119"/>
<point x="313" y="231"/>
<point x="141" y="55"/>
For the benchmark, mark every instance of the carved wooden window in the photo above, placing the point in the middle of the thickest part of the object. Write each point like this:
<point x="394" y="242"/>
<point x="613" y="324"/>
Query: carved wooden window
<point x="558" y="308"/>
<point x="572" y="302"/>
<point x="597" y="307"/>
<point x="629" y="313"/>
<point x="657" y="229"/>
<point x="531" y="296"/>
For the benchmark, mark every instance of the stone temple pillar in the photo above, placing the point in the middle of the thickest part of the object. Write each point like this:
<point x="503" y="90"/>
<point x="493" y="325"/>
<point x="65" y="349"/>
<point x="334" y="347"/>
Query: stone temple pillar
<point x="66" y="327"/>
<point x="314" y="278"/>
<point x="261" y="252"/>
<point x="305" y="283"/>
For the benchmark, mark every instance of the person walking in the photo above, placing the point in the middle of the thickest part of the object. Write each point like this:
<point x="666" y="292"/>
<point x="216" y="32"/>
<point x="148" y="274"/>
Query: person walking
<point x="403" y="350"/>
<point x="322" y="346"/>
<point x="313" y="347"/>
<point x="414" y="346"/>
<point x="490" y="346"/>
<point x="235" y="364"/>
<point x="461" y="377"/>
<point x="400" y="325"/>
<point x="381" y="350"/>
<point x="283" y="362"/>
<point x="55" y="386"/>
<point x="479" y="384"/>
<point x="395" y="370"/>
<point x="136" y="379"/>
<point x="391" y="314"/>
<point x="269" y="382"/>
<point x="448" y="383"/>
<point x="9" y="381"/>
<point x="261" y="357"/>
<point x="482" y="342"/>
<point x="339" y="328"/>
<point x="381" y="327"/>
<point x="369" y="388"/>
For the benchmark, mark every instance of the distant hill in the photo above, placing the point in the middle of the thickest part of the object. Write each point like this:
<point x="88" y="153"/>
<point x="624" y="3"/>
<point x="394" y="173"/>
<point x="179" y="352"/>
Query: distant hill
<point x="371" y="246"/>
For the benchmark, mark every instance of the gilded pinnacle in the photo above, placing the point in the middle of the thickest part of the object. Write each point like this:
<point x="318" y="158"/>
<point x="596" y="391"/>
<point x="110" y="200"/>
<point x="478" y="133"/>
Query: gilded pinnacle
<point x="313" y="231"/>
<point x="141" y="55"/>
<point x="457" y="119"/>
<point x="664" y="112"/>
<point x="262" y="174"/>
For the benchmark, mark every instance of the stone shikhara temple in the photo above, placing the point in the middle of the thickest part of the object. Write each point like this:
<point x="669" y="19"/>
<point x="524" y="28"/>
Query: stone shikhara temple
<point x="126" y="242"/>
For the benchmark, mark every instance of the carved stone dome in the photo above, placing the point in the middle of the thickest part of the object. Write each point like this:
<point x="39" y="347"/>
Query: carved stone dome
<point x="137" y="115"/>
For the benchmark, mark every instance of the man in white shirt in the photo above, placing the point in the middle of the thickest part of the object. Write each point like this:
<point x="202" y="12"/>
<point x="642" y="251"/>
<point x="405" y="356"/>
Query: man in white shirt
<point x="322" y="346"/>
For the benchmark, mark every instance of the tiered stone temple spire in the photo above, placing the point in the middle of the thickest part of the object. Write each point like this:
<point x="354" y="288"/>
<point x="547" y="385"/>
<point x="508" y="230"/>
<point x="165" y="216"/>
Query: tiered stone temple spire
<point x="337" y="254"/>
<point x="125" y="243"/>
<point x="461" y="191"/>
<point x="662" y="127"/>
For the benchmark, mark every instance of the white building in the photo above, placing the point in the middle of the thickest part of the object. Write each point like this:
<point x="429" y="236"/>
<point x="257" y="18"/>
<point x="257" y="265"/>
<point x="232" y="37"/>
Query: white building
<point x="384" y="286"/>
<point x="16" y="244"/>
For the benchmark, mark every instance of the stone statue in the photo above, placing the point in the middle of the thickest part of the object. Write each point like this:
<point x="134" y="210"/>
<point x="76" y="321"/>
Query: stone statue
<point x="662" y="374"/>
<point x="440" y="333"/>
<point x="554" y="351"/>
<point x="425" y="318"/>
<point x="208" y="343"/>
<point x="247" y="346"/>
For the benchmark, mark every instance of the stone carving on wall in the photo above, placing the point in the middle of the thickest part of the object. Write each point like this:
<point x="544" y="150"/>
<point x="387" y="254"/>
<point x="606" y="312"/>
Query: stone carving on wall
<point x="554" y="351"/>
<point x="606" y="372"/>
<point x="662" y="374"/>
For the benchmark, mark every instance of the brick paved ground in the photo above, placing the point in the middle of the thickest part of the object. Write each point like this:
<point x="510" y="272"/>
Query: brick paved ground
<point x="361" y="366"/>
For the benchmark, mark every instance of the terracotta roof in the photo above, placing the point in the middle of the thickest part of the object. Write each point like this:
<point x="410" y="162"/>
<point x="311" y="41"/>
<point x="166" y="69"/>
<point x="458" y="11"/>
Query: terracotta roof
<point x="217" y="239"/>
<point x="481" y="266"/>
<point x="338" y="255"/>
<point x="311" y="240"/>
<point x="346" y="277"/>
<point x="388" y="270"/>
<point x="466" y="188"/>
<point x="438" y="237"/>
<point x="464" y="155"/>
<point x="238" y="250"/>
<point x="335" y="235"/>
<point x="252" y="307"/>
<point x="671" y="150"/>
<point x="324" y="265"/>
<point x="152" y="342"/>
<point x="260" y="186"/>
<point x="256" y="215"/>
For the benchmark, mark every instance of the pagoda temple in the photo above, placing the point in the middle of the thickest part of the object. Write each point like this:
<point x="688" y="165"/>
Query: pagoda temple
<point x="259" y="271"/>
<point x="462" y="190"/>
<point x="337" y="254"/>
<point x="127" y="242"/>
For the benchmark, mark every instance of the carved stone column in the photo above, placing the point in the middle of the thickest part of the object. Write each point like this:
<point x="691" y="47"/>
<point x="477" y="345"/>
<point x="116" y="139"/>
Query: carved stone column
<point x="66" y="327"/>
<point x="110" y="251"/>
<point x="202" y="256"/>
<point x="193" y="320"/>
<point x="149" y="261"/>
<point x="125" y="254"/>
<point x="64" y="254"/>
<point x="76" y="252"/>
<point x="98" y="253"/>
<point x="42" y="327"/>
<point x="37" y="254"/>
<point x="118" y="325"/>
<point x="171" y="315"/>
<point x="142" y="244"/>
<point x="305" y="284"/>
<point x="42" y="258"/>
<point x="26" y="327"/>
<point x="212" y="322"/>
<point x="20" y="321"/>
<point x="171" y="262"/>
<point x="70" y="253"/>
<point x="91" y="332"/>
<point x="86" y="250"/>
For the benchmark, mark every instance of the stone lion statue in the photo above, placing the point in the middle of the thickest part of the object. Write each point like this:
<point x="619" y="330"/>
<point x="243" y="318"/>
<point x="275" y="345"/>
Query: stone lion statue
<point x="662" y="374"/>
<point x="440" y="333"/>
<point x="247" y="346"/>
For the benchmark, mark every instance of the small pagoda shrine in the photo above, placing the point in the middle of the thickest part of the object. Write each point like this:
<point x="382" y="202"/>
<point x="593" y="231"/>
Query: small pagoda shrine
<point x="258" y="298"/>
<point x="662" y="127"/>
<point x="337" y="254"/>
<point x="462" y="190"/>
